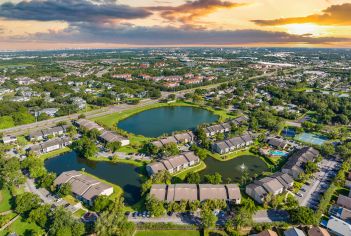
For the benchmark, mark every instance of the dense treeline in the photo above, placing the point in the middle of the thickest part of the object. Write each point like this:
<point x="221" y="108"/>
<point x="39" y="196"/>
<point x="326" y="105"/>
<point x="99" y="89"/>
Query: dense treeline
<point x="328" y="108"/>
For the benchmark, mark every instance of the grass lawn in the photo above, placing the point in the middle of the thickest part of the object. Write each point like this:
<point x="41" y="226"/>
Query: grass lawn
<point x="79" y="213"/>
<point x="223" y="114"/>
<point x="214" y="232"/>
<point x="181" y="175"/>
<point x="232" y="155"/>
<point x="119" y="160"/>
<point x="5" y="199"/>
<point x="277" y="160"/>
<point x="168" y="233"/>
<point x="21" y="227"/>
<point x="55" y="153"/>
<point x="70" y="199"/>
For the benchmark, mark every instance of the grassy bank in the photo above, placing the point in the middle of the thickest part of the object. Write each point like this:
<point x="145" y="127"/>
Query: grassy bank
<point x="112" y="119"/>
<point x="55" y="153"/>
<point x="5" y="200"/>
<point x="232" y="155"/>
<point x="22" y="227"/>
<point x="199" y="167"/>
<point x="119" y="160"/>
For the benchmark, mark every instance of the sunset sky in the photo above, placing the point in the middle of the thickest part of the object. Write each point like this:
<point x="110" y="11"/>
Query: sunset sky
<point x="55" y="24"/>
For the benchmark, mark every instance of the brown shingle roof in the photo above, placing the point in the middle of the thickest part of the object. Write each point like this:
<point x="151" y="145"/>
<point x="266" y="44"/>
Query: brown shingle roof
<point x="270" y="184"/>
<point x="211" y="191"/>
<point x="185" y="192"/>
<point x="267" y="232"/>
<point x="233" y="191"/>
<point x="159" y="191"/>
<point x="318" y="231"/>
<point x="344" y="201"/>
<point x="82" y="185"/>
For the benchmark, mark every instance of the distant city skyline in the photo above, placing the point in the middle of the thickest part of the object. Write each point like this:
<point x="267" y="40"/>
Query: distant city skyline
<point x="62" y="24"/>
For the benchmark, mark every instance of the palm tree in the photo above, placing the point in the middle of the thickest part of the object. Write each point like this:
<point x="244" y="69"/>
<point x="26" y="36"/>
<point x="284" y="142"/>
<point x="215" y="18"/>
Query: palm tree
<point x="250" y="206"/>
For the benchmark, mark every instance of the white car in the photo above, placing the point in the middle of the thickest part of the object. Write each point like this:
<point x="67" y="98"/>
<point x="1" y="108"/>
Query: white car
<point x="299" y="194"/>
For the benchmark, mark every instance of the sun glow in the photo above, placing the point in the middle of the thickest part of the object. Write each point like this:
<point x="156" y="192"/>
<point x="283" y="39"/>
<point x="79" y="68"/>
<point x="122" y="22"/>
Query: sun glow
<point x="301" y="29"/>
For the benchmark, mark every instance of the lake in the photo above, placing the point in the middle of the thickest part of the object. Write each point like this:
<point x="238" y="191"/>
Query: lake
<point x="125" y="175"/>
<point x="165" y="120"/>
<point x="232" y="168"/>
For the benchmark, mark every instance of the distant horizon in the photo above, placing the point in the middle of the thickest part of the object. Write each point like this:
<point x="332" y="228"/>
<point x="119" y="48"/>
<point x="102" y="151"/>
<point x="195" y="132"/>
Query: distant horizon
<point x="172" y="47"/>
<point x="62" y="24"/>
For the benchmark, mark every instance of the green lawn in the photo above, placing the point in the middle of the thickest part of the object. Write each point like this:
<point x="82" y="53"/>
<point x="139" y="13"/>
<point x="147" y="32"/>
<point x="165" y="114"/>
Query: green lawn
<point x="232" y="155"/>
<point x="55" y="153"/>
<point x="168" y="233"/>
<point x="22" y="227"/>
<point x="181" y="175"/>
<point x="214" y="233"/>
<point x="5" y="199"/>
<point x="119" y="160"/>
<point x="70" y="199"/>
<point x="223" y="114"/>
<point x="79" y="213"/>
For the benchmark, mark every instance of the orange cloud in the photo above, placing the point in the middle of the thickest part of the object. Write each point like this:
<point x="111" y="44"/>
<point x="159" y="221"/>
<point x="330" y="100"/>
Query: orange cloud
<point x="189" y="11"/>
<point x="339" y="15"/>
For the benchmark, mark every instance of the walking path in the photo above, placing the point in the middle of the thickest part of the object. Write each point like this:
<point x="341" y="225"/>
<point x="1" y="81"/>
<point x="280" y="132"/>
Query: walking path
<point x="9" y="223"/>
<point x="5" y="212"/>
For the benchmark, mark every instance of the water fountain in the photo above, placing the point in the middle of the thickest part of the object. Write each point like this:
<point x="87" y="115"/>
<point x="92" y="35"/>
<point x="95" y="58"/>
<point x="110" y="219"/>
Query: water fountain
<point x="242" y="167"/>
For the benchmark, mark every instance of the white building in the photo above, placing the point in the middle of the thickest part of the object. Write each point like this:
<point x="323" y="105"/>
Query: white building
<point x="9" y="139"/>
<point x="339" y="227"/>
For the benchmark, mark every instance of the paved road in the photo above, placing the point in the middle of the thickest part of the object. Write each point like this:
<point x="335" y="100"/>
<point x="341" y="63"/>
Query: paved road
<point x="22" y="129"/>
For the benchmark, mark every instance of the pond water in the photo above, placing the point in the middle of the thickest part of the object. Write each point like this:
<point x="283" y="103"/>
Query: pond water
<point x="165" y="120"/>
<point x="125" y="175"/>
<point x="233" y="169"/>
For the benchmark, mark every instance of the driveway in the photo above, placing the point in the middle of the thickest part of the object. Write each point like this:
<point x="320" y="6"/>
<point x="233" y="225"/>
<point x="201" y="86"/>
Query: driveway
<point x="45" y="197"/>
<point x="182" y="219"/>
<point x="262" y="216"/>
<point x="318" y="184"/>
<point x="268" y="216"/>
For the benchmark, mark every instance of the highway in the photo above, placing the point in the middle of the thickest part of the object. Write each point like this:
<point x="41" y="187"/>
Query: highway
<point x="23" y="129"/>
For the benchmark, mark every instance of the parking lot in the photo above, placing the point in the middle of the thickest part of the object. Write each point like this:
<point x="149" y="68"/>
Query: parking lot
<point x="310" y="194"/>
<point x="175" y="218"/>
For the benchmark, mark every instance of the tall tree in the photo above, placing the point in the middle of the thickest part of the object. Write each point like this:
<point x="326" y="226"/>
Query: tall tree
<point x="208" y="219"/>
<point x="26" y="202"/>
<point x="113" y="222"/>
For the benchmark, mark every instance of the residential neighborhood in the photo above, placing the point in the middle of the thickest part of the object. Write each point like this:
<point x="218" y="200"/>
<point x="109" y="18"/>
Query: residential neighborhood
<point x="203" y="141"/>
